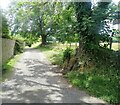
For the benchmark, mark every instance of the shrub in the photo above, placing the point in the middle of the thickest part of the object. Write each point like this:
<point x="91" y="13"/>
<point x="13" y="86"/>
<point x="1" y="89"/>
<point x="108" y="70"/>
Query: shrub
<point x="19" y="46"/>
<point x="56" y="59"/>
<point x="67" y="54"/>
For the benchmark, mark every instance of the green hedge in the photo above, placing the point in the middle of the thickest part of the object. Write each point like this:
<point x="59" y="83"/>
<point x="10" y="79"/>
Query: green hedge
<point x="19" y="46"/>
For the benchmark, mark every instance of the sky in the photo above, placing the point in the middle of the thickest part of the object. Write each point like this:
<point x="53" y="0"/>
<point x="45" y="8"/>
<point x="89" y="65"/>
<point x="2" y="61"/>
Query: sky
<point x="4" y="3"/>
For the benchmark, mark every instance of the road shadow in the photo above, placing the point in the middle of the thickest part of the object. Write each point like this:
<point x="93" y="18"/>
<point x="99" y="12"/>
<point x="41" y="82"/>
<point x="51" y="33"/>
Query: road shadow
<point x="34" y="81"/>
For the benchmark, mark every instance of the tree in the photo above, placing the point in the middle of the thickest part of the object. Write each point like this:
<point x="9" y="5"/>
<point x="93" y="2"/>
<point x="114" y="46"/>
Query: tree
<point x="65" y="22"/>
<point x="83" y="12"/>
<point x="5" y="27"/>
<point x="32" y="19"/>
<point x="92" y="28"/>
<point x="91" y="23"/>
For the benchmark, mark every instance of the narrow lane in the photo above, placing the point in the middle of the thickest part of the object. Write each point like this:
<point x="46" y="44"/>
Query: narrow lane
<point x="34" y="81"/>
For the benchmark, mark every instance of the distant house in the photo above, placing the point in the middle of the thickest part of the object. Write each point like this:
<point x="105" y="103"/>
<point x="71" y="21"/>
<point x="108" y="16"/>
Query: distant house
<point x="116" y="24"/>
<point x="116" y="21"/>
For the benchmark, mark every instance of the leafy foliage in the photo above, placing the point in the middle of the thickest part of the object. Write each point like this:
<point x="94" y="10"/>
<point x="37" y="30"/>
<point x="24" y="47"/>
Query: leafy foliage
<point x="93" y="23"/>
<point x="5" y="27"/>
<point x="73" y="22"/>
<point x="8" y="67"/>
<point x="32" y="19"/>
<point x="66" y="23"/>
<point x="103" y="86"/>
<point x="19" y="46"/>
<point x="67" y="54"/>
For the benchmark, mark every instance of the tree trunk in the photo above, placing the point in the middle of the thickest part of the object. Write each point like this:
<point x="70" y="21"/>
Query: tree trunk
<point x="76" y="44"/>
<point x="80" y="13"/>
<point x="44" y="39"/>
<point x="70" y="45"/>
<point x="110" y="43"/>
<point x="111" y="40"/>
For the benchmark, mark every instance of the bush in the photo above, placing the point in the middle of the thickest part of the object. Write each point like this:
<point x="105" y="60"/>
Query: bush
<point x="6" y="36"/>
<point x="57" y="59"/>
<point x="28" y="42"/>
<point x="19" y="46"/>
<point x="67" y="54"/>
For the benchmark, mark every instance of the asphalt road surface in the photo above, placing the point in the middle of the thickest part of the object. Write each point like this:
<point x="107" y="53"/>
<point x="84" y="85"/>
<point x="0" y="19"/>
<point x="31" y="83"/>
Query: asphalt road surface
<point x="34" y="80"/>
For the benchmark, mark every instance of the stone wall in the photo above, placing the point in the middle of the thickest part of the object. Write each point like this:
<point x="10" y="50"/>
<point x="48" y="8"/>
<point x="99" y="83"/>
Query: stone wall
<point x="7" y="49"/>
<point x="0" y="54"/>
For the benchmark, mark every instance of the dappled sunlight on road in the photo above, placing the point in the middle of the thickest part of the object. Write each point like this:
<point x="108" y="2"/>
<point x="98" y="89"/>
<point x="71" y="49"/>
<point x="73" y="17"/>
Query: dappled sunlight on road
<point x="35" y="81"/>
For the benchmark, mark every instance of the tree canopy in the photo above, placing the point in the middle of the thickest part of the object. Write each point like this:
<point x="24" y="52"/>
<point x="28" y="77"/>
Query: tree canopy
<point x="66" y="21"/>
<point x="5" y="26"/>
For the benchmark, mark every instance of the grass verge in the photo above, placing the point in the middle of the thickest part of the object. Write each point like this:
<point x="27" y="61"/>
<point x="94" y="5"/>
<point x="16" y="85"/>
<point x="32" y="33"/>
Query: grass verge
<point x="100" y="81"/>
<point x="8" y="67"/>
<point x="54" y="52"/>
<point x="102" y="86"/>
